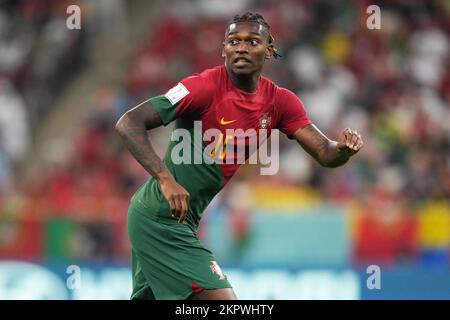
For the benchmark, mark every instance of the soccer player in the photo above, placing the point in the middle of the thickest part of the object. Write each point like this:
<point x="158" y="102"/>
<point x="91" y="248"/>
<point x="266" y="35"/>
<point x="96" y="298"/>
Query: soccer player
<point x="168" y="260"/>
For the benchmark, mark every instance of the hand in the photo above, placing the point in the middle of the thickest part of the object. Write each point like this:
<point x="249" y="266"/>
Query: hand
<point x="177" y="197"/>
<point x="350" y="142"/>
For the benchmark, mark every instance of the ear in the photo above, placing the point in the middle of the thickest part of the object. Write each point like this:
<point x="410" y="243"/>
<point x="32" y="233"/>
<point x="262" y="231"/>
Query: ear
<point x="223" y="49"/>
<point x="269" y="52"/>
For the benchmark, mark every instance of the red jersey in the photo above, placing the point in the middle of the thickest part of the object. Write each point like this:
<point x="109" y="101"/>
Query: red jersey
<point x="211" y="100"/>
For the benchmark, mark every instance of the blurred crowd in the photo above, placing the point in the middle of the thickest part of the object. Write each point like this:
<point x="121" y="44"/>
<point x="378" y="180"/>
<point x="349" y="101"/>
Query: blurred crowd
<point x="391" y="84"/>
<point x="38" y="54"/>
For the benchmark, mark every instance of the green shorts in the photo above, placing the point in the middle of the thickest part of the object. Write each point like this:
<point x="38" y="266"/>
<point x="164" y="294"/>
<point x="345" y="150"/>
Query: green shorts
<point x="168" y="260"/>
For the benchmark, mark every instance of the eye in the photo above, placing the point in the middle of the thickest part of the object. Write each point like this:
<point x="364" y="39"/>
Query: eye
<point x="233" y="42"/>
<point x="253" y="42"/>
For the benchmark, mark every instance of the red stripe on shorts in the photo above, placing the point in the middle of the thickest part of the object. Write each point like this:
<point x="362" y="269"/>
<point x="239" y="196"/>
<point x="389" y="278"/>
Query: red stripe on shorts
<point x="196" y="288"/>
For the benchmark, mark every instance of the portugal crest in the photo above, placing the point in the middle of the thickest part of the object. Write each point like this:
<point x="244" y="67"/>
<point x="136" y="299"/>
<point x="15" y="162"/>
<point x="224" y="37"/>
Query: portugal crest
<point x="265" y="121"/>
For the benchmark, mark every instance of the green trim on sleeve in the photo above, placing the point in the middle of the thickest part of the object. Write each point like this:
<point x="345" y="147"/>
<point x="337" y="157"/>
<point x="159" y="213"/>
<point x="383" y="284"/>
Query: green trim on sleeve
<point x="166" y="110"/>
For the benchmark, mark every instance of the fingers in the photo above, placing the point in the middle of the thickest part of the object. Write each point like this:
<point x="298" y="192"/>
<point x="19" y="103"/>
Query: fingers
<point x="179" y="205"/>
<point x="352" y="139"/>
<point x="345" y="137"/>
<point x="359" y="145"/>
<point x="176" y="206"/>
<point x="177" y="198"/>
<point x="173" y="206"/>
<point x="184" y="209"/>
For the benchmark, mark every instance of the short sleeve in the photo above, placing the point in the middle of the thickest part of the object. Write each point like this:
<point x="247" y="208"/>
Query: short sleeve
<point x="189" y="98"/>
<point x="292" y="113"/>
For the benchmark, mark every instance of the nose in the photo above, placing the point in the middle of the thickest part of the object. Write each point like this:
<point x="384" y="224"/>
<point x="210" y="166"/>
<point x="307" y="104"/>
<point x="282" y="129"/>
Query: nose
<point x="242" y="47"/>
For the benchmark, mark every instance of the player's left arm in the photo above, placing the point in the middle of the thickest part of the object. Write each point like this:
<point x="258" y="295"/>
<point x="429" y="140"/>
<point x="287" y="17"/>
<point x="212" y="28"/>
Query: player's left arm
<point x="327" y="152"/>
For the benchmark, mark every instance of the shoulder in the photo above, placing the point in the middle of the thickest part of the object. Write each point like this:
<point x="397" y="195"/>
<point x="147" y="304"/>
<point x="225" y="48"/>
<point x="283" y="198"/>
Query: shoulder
<point x="203" y="81"/>
<point x="280" y="95"/>
<point x="285" y="95"/>
<point x="287" y="102"/>
<point x="206" y="77"/>
<point x="213" y="74"/>
<point x="198" y="88"/>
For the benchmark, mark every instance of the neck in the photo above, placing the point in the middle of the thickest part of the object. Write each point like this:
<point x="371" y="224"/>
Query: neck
<point x="247" y="83"/>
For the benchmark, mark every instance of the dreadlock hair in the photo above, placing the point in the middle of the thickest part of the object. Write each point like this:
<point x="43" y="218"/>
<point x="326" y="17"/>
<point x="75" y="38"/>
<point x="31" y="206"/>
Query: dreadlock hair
<point x="257" y="18"/>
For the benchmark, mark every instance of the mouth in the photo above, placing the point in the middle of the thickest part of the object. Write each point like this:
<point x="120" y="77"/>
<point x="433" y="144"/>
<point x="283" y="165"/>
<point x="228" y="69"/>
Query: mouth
<point x="241" y="61"/>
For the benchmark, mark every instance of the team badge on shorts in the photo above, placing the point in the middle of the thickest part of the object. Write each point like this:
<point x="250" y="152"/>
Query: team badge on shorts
<point x="216" y="270"/>
<point x="265" y="121"/>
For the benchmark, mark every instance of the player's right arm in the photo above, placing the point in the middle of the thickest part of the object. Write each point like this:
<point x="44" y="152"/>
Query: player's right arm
<point x="132" y="128"/>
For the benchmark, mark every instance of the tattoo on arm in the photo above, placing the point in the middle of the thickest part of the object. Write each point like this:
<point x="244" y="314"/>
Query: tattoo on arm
<point x="312" y="140"/>
<point x="320" y="147"/>
<point x="132" y="127"/>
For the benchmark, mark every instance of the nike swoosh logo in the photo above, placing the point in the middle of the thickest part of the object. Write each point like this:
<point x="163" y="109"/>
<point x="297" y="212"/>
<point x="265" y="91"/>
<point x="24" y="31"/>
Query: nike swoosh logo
<point x="224" y="122"/>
